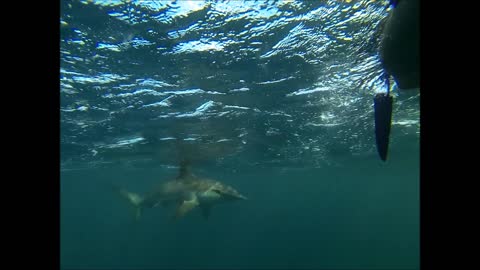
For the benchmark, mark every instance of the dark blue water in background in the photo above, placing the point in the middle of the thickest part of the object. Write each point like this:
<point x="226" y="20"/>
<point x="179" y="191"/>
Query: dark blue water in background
<point x="274" y="98"/>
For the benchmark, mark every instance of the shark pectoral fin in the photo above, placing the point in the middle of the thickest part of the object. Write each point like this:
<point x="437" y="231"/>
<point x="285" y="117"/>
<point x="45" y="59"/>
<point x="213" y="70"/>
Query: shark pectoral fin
<point x="206" y="209"/>
<point x="185" y="207"/>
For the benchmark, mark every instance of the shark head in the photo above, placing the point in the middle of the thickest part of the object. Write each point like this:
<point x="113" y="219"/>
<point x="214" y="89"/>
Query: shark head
<point x="221" y="193"/>
<point x="206" y="198"/>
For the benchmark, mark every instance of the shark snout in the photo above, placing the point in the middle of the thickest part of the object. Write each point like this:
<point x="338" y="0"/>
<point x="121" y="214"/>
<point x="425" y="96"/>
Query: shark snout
<point x="234" y="197"/>
<point x="241" y="197"/>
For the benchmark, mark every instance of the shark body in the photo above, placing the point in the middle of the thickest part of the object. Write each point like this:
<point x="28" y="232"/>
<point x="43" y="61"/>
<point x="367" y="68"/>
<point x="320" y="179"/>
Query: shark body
<point x="186" y="192"/>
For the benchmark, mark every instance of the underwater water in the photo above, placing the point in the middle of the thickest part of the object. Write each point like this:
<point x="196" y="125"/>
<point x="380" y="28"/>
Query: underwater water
<point x="274" y="98"/>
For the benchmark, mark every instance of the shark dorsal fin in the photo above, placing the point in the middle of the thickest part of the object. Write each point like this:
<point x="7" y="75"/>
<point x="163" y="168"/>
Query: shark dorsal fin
<point x="184" y="173"/>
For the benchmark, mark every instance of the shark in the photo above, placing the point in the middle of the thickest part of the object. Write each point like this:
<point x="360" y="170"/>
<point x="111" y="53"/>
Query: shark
<point x="186" y="192"/>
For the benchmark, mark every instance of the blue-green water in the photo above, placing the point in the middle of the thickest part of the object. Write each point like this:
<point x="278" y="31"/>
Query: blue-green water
<point x="362" y="216"/>
<point x="273" y="98"/>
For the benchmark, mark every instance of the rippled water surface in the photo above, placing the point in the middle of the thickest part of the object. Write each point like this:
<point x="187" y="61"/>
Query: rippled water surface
<point x="251" y="83"/>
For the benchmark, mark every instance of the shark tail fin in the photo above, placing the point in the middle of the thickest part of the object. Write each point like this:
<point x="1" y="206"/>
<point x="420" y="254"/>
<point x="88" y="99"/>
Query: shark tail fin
<point x="134" y="199"/>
